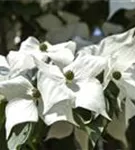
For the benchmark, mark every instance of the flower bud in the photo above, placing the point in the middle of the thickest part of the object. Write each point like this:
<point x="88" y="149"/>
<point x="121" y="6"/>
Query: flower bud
<point x="43" y="47"/>
<point x="69" y="75"/>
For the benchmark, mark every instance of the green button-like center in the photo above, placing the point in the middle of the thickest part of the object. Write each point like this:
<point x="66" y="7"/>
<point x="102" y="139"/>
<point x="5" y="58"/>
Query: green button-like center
<point x="43" y="47"/>
<point x="36" y="93"/>
<point x="69" y="75"/>
<point x="116" y="75"/>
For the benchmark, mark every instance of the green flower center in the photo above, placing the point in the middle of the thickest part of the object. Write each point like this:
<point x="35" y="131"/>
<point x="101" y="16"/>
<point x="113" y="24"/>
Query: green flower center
<point x="43" y="47"/>
<point x="116" y="75"/>
<point x="69" y="75"/>
<point x="35" y="93"/>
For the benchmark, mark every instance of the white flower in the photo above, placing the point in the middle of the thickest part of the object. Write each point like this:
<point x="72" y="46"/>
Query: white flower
<point x="126" y="84"/>
<point x="121" y="60"/>
<point x="22" y="60"/>
<point x="4" y="68"/>
<point x="57" y="98"/>
<point x="62" y="54"/>
<point x="19" y="62"/>
<point x="119" y="51"/>
<point x="31" y="46"/>
<point x="90" y="92"/>
<point x="119" y="70"/>
<point x="21" y="106"/>
<point x="111" y="44"/>
<point x="74" y="86"/>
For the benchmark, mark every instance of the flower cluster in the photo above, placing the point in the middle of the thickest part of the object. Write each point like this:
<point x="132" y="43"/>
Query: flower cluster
<point x="49" y="81"/>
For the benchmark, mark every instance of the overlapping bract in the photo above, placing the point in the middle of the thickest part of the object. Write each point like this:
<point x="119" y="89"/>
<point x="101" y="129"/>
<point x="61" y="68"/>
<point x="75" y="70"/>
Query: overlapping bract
<point x="67" y="81"/>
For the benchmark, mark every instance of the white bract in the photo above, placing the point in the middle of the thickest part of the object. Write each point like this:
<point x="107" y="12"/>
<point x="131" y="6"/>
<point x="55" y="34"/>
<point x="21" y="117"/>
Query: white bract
<point x="126" y="84"/>
<point x="21" y="106"/>
<point x="67" y="82"/>
<point x="19" y="62"/>
<point x="61" y="54"/>
<point x="4" y="68"/>
<point x="120" y="61"/>
<point x="57" y="98"/>
<point x="88" y="90"/>
<point x="22" y="60"/>
<point x="111" y="44"/>
<point x="119" y="50"/>
<point x="119" y="69"/>
<point x="77" y="79"/>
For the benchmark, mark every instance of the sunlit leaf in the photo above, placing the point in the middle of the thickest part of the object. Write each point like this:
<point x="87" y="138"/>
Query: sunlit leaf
<point x="19" y="135"/>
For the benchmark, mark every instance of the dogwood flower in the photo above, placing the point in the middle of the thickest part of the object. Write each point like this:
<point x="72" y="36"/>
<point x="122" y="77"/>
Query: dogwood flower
<point x="119" y="50"/>
<point x="119" y="70"/>
<point x="21" y="106"/>
<point x="24" y="102"/>
<point x="114" y="48"/>
<point x="111" y="44"/>
<point x="22" y="60"/>
<point x="126" y="84"/>
<point x="90" y="92"/>
<point x="121" y="60"/>
<point x="62" y="54"/>
<point x="77" y="78"/>
<point x="57" y="98"/>
<point x="31" y="46"/>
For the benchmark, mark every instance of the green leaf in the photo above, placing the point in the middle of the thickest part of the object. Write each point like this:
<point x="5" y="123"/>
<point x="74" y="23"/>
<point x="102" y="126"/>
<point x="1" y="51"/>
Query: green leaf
<point x="111" y="93"/>
<point x="94" y="128"/>
<point x="19" y="135"/>
<point x="37" y="136"/>
<point x="84" y="115"/>
<point x="100" y="77"/>
<point x="2" y="111"/>
<point x="116" y="128"/>
<point x="3" y="142"/>
<point x="113" y="88"/>
<point x="81" y="138"/>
